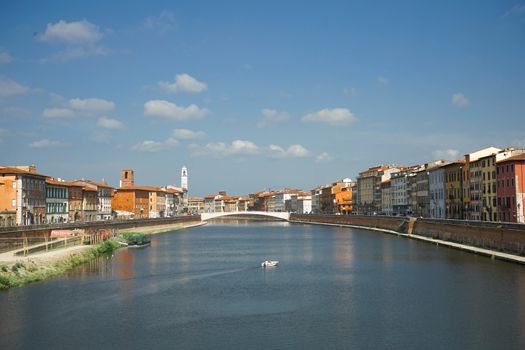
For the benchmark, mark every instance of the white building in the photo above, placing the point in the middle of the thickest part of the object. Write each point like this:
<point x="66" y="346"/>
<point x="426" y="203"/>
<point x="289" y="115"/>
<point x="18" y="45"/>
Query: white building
<point x="57" y="201"/>
<point x="304" y="204"/>
<point x="401" y="191"/>
<point x="436" y="183"/>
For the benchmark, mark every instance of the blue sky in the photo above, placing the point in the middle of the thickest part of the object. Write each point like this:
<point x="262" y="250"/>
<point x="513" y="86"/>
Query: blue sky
<point x="256" y="95"/>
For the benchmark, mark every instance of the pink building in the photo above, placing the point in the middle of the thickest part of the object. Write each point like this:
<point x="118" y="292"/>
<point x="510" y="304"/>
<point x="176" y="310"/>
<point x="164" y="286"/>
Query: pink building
<point x="511" y="189"/>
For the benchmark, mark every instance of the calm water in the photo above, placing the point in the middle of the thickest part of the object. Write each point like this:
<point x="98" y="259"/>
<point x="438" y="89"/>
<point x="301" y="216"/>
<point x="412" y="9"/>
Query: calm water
<point x="336" y="288"/>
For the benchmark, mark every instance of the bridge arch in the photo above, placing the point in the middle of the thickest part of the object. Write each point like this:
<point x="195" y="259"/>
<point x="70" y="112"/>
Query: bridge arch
<point x="278" y="215"/>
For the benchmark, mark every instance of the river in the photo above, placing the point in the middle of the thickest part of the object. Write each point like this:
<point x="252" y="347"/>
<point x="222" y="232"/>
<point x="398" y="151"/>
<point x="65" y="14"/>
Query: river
<point x="335" y="288"/>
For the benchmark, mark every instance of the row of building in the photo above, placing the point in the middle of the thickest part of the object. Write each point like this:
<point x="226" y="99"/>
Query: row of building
<point x="30" y="198"/>
<point x="486" y="185"/>
<point x="329" y="199"/>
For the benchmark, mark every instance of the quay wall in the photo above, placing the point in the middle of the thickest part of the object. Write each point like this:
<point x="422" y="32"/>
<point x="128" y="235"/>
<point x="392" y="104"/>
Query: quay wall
<point x="12" y="236"/>
<point x="503" y="237"/>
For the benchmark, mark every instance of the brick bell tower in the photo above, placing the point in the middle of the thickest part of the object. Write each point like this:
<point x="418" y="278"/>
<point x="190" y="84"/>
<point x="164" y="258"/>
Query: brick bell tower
<point x="127" y="178"/>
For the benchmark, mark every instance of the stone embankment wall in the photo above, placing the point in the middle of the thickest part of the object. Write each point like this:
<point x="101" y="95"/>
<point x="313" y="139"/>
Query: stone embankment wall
<point x="11" y="236"/>
<point x="508" y="238"/>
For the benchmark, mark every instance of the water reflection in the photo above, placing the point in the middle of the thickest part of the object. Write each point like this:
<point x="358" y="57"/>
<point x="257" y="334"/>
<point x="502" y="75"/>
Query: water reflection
<point x="336" y="288"/>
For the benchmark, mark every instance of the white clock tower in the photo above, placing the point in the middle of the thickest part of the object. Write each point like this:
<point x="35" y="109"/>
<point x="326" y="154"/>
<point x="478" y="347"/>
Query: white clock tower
<point x="184" y="179"/>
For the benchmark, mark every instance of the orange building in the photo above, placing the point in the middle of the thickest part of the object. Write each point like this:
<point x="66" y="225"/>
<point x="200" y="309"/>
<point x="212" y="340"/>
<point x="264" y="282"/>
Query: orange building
<point x="343" y="200"/>
<point x="22" y="196"/>
<point x="135" y="199"/>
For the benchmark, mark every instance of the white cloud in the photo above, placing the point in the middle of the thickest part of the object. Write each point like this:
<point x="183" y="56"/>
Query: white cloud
<point x="220" y="149"/>
<point x="59" y="113"/>
<point x="185" y="134"/>
<point x="92" y="105"/>
<point x="447" y="154"/>
<point x="80" y="32"/>
<point x="183" y="83"/>
<point x="162" y="23"/>
<point x="5" y="58"/>
<point x="108" y="123"/>
<point x="10" y="87"/>
<point x="3" y="134"/>
<point x="459" y="100"/>
<point x="156" y="146"/>
<point x="324" y="157"/>
<point x="168" y="110"/>
<point x="382" y="81"/>
<point x="334" y="117"/>
<point x="294" y="151"/>
<point x="270" y="116"/>
<point x="350" y="91"/>
<point x="45" y="143"/>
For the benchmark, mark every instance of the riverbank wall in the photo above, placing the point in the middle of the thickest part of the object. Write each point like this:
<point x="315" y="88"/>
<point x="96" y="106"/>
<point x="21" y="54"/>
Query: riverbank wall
<point x="502" y="237"/>
<point x="17" y="236"/>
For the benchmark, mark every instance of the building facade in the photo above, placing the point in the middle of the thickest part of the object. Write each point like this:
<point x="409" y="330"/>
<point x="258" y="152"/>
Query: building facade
<point x="132" y="199"/>
<point x="22" y="196"/>
<point x="89" y="203"/>
<point x="57" y="201"/>
<point x="75" y="200"/>
<point x="454" y="205"/>
<point x="510" y="175"/>
<point x="436" y="185"/>
<point x="386" y="197"/>
<point x="369" y="188"/>
<point x="304" y="204"/>
<point x="196" y="205"/>
<point x="343" y="200"/>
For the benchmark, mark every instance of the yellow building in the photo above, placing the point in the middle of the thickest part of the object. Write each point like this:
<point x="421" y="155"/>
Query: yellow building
<point x="454" y="206"/>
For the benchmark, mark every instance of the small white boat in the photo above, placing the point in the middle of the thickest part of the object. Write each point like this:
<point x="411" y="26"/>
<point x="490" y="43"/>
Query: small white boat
<point x="269" y="263"/>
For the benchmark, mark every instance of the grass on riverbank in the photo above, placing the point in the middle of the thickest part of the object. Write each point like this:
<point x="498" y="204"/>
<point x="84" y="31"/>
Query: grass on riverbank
<point x="21" y="273"/>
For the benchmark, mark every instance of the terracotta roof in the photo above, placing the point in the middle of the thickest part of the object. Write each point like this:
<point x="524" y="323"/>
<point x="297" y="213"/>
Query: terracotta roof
<point x="140" y="188"/>
<point x="172" y="190"/>
<point x="98" y="184"/>
<point x="56" y="182"/>
<point x="89" y="189"/>
<point x="455" y="162"/>
<point x="195" y="199"/>
<point x="13" y="170"/>
<point x="519" y="157"/>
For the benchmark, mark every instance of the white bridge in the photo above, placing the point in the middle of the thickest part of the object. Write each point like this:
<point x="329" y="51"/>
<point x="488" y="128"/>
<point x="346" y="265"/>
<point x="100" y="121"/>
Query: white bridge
<point x="273" y="214"/>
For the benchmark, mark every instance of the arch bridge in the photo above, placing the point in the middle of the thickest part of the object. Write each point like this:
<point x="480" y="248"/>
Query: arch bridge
<point x="277" y="215"/>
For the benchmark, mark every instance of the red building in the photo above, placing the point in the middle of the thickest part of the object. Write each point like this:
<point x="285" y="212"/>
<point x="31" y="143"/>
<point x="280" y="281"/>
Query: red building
<point x="511" y="189"/>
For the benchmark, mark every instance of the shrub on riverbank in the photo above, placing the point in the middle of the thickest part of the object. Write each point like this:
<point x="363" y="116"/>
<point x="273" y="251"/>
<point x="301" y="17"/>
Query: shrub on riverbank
<point x="23" y="273"/>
